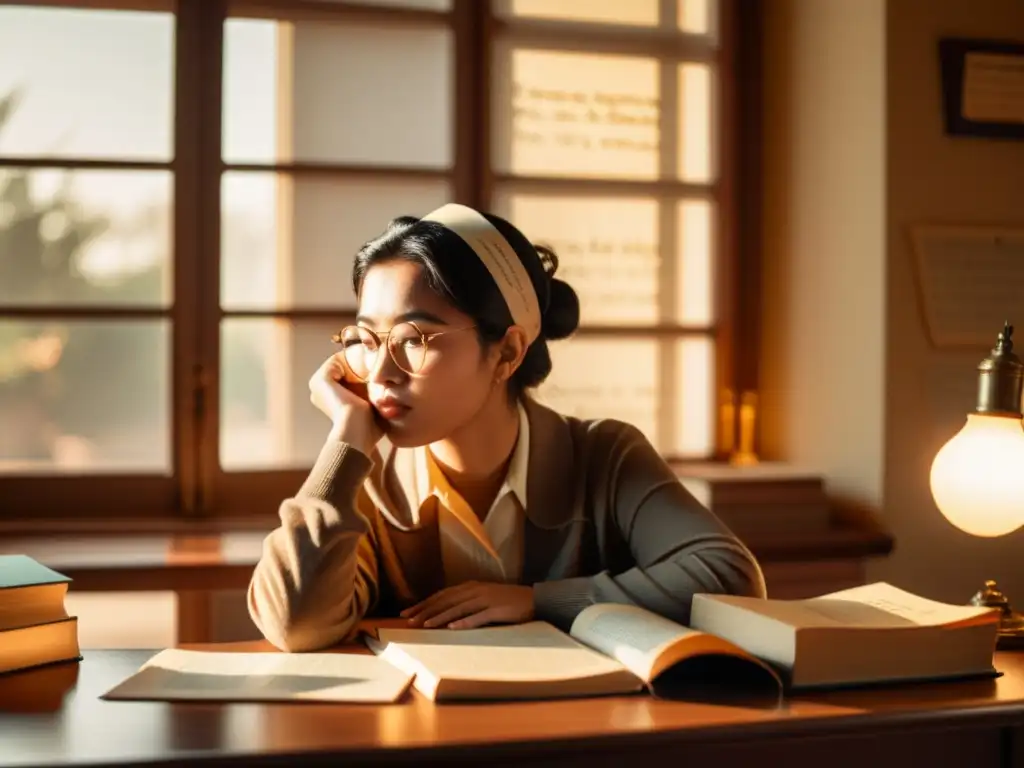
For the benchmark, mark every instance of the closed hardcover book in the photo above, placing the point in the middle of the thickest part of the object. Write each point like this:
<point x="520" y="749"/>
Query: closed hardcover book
<point x="35" y="628"/>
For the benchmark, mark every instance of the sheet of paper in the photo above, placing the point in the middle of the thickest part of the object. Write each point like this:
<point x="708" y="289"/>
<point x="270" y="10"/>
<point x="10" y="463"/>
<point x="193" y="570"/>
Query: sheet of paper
<point x="183" y="675"/>
<point x="971" y="280"/>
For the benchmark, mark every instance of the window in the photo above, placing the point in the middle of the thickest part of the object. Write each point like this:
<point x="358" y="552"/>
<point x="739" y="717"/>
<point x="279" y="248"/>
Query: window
<point x="87" y="296"/>
<point x="183" y="186"/>
<point x="604" y="146"/>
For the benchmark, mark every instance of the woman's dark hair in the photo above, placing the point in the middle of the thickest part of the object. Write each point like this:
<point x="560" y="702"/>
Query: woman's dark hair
<point x="456" y="273"/>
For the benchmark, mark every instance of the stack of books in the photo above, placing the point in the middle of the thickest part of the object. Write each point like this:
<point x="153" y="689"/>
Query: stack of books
<point x="35" y="628"/>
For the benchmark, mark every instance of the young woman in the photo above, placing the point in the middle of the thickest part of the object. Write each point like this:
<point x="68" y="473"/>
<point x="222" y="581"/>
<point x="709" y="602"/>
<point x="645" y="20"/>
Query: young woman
<point x="444" y="493"/>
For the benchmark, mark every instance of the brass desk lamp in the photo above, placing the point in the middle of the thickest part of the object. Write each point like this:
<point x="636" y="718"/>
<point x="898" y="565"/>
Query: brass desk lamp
<point x="977" y="478"/>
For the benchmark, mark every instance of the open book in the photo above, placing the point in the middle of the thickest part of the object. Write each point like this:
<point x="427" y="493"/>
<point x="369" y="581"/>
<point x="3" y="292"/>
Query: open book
<point x="869" y="634"/>
<point x="610" y="649"/>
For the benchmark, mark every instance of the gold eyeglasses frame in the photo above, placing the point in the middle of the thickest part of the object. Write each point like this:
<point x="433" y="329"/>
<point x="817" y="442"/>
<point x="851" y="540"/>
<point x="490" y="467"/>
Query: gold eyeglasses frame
<point x="385" y="343"/>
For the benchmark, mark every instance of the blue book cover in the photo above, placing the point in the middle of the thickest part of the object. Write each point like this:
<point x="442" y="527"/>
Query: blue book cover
<point x="23" y="571"/>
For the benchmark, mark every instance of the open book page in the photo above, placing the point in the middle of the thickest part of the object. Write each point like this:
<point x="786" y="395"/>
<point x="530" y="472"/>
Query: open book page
<point x="534" y="651"/>
<point x="634" y="637"/>
<point x="175" y="674"/>
<point x="674" y="660"/>
<point x="872" y="606"/>
<point x="902" y="605"/>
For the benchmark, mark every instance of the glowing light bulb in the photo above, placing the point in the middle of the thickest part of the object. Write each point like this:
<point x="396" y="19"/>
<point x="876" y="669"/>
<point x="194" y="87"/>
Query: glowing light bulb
<point x="977" y="478"/>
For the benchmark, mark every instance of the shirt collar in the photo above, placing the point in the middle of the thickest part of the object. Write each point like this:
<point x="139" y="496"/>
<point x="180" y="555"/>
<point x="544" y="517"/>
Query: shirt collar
<point x="432" y="482"/>
<point x="398" y="482"/>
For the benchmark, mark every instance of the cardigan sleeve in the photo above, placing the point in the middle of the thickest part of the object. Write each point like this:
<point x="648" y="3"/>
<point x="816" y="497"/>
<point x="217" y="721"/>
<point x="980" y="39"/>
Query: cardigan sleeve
<point x="317" y="575"/>
<point x="678" y="546"/>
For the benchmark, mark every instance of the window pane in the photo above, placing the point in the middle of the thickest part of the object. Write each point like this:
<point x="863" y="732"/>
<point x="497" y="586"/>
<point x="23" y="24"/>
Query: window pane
<point x="289" y="241"/>
<point x="607" y="251"/>
<point x="576" y="115"/>
<point x="695" y="407"/>
<point x="696" y="145"/>
<point x="624" y="12"/>
<point x="695" y="263"/>
<point x="84" y="237"/>
<point x="664" y="388"/>
<point x="696" y="17"/>
<point x="425" y="5"/>
<point x="84" y="396"/>
<point x="690" y="16"/>
<point x="266" y="419"/>
<point x="86" y="83"/>
<point x="318" y="92"/>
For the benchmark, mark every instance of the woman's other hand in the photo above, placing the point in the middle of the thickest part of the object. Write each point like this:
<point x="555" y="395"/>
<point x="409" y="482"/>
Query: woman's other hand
<point x="342" y="398"/>
<point x="473" y="604"/>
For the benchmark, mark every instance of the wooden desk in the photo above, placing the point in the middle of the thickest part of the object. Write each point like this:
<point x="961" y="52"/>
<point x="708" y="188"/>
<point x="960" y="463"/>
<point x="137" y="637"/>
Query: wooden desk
<point x="974" y="724"/>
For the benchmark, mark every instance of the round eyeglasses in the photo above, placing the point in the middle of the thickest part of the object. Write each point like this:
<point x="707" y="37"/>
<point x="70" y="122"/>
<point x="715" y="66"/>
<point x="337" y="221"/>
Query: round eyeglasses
<point x="406" y="343"/>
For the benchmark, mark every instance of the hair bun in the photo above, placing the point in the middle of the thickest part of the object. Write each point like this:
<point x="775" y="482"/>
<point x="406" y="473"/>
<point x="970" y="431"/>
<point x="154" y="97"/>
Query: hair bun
<point x="562" y="317"/>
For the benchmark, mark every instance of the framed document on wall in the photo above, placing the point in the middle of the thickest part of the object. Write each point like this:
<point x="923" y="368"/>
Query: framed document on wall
<point x="983" y="87"/>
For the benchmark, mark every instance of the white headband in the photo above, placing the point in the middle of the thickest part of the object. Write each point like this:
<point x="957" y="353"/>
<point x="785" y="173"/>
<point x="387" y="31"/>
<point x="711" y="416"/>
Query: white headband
<point x="500" y="259"/>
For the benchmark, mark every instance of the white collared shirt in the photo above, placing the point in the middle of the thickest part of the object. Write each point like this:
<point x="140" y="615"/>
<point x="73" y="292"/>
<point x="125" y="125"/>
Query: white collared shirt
<point x="471" y="549"/>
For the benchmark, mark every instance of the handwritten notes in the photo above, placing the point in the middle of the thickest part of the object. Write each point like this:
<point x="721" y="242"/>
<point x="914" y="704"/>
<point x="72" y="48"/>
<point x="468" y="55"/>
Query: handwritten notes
<point x="972" y="280"/>
<point x="582" y="115"/>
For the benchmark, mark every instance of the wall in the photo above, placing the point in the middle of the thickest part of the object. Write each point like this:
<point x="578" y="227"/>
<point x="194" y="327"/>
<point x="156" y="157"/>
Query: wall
<point x="823" y="352"/>
<point x="937" y="179"/>
<point x="856" y="155"/>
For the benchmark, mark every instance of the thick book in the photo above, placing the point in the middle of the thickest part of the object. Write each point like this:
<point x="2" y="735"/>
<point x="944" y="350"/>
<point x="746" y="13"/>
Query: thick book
<point x="872" y="634"/>
<point x="30" y="593"/>
<point x="867" y="635"/>
<point x="35" y="629"/>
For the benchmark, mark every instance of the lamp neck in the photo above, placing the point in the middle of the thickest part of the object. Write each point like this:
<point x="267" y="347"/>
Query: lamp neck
<point x="1001" y="379"/>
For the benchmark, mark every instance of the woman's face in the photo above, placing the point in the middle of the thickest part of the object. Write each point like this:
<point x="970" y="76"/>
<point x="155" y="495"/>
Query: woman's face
<point x="457" y="377"/>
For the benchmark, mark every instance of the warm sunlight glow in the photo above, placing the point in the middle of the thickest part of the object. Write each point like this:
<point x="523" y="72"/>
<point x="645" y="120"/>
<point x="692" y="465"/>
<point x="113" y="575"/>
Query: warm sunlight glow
<point x="624" y="12"/>
<point x="694" y="125"/>
<point x="110" y="424"/>
<point x="977" y="478"/>
<point x="664" y="388"/>
<point x="576" y="115"/>
<point x="694" y="16"/>
<point x="334" y="76"/>
<point x="265" y="418"/>
<point x="89" y="83"/>
<point x="607" y="251"/>
<point x="321" y="223"/>
<point x="423" y="5"/>
<point x="127" y="218"/>
<point x="695" y="263"/>
<point x="695" y="402"/>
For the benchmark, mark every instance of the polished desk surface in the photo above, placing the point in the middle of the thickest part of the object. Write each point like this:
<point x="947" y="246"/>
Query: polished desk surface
<point x="85" y="730"/>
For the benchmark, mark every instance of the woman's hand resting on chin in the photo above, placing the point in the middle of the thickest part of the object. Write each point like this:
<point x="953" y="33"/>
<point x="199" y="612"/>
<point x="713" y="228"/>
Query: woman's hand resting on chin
<point x="473" y="604"/>
<point x="342" y="398"/>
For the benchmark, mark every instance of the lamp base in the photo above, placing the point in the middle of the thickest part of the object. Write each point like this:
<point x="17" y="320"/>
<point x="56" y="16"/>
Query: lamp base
<point x="1011" y="623"/>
